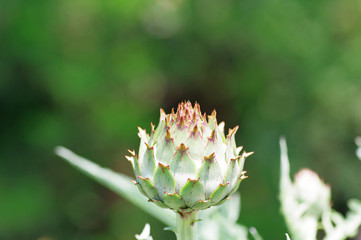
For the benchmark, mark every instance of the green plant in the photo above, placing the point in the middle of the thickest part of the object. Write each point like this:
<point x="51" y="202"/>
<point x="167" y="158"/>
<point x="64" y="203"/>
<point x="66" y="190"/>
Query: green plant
<point x="305" y="203"/>
<point x="187" y="164"/>
<point x="306" y="206"/>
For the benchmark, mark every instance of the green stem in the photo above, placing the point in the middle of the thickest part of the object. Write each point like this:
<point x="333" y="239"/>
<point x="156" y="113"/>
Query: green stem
<point x="186" y="225"/>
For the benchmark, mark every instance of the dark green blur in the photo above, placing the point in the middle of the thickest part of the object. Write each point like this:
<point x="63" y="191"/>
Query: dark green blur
<point x="84" y="74"/>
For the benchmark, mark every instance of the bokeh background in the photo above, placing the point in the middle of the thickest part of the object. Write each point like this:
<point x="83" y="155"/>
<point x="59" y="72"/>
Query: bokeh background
<point x="86" y="73"/>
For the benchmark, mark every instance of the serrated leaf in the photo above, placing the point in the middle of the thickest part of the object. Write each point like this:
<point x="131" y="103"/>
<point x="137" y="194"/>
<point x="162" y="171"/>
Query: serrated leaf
<point x="117" y="182"/>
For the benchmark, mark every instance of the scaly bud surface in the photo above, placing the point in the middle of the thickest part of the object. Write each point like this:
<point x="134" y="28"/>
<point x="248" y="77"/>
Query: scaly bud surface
<point x="187" y="163"/>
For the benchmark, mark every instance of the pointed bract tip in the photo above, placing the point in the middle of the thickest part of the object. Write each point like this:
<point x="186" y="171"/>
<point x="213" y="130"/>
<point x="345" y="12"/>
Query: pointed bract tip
<point x="232" y="132"/>
<point x="236" y="158"/>
<point x="163" y="165"/>
<point x="213" y="136"/>
<point x="247" y="154"/>
<point x="239" y="149"/>
<point x="143" y="178"/>
<point x="149" y="147"/>
<point x="243" y="177"/>
<point x="132" y="152"/>
<point x="193" y="180"/>
<point x="130" y="159"/>
<point x="182" y="122"/>
<point x="162" y="112"/>
<point x="171" y="194"/>
<point x="195" y="131"/>
<point x="179" y="107"/>
<point x="182" y="147"/>
<point x="223" y="184"/>
<point x="194" y="117"/>
<point x="214" y="113"/>
<point x="152" y="126"/>
<point x="197" y="106"/>
<point x="166" y="120"/>
<point x="168" y="136"/>
<point x="210" y="157"/>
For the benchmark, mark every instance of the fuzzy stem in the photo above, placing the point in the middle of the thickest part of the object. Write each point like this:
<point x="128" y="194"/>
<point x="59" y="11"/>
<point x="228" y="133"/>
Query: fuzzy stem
<point x="186" y="225"/>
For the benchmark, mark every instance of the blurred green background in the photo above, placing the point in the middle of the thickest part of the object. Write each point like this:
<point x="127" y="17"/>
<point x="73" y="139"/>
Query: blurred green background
<point x="86" y="73"/>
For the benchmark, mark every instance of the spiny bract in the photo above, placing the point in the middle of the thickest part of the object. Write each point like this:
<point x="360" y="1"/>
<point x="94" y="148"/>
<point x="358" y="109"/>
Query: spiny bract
<point x="188" y="163"/>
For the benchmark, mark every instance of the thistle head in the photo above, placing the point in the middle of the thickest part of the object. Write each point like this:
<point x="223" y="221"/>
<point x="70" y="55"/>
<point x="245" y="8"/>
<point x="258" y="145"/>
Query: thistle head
<point x="311" y="191"/>
<point x="187" y="162"/>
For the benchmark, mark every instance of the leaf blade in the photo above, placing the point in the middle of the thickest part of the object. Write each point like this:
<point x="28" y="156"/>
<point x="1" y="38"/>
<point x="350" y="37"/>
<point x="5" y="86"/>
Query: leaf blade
<point x="117" y="182"/>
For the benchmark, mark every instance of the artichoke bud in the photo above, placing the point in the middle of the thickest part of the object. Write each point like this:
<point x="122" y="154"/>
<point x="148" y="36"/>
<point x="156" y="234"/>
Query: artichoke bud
<point x="187" y="163"/>
<point x="312" y="192"/>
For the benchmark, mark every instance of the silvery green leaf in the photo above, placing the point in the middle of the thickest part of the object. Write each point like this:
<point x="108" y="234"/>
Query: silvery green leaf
<point x="345" y="227"/>
<point x="220" y="223"/>
<point x="301" y="225"/>
<point x="145" y="235"/>
<point x="217" y="227"/>
<point x="285" y="168"/>
<point x="117" y="182"/>
<point x="305" y="204"/>
<point x="232" y="208"/>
